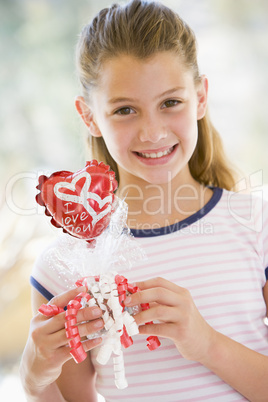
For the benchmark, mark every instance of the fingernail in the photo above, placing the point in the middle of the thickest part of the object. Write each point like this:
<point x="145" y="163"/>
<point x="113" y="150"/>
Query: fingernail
<point x="96" y="312"/>
<point x="98" y="324"/>
<point x="127" y="300"/>
<point x="96" y="341"/>
<point x="81" y="289"/>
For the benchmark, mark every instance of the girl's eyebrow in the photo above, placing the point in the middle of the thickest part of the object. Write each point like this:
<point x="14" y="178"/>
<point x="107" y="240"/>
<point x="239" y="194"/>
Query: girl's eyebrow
<point x="170" y="92"/>
<point x="123" y="99"/>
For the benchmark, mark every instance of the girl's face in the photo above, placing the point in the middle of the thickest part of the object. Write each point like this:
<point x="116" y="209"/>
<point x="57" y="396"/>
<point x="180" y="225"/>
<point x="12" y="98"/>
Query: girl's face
<point x="147" y="112"/>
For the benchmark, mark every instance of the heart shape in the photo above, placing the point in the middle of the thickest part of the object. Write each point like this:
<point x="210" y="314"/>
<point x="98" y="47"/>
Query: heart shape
<point x="82" y="202"/>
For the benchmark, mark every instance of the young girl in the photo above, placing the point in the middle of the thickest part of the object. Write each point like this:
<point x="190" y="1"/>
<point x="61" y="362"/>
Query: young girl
<point x="145" y="105"/>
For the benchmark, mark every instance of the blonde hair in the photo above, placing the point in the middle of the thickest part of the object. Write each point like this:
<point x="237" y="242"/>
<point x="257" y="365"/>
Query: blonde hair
<point x="142" y="29"/>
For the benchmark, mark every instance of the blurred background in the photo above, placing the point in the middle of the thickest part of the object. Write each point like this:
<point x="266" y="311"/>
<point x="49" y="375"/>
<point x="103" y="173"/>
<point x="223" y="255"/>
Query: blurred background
<point x="40" y="131"/>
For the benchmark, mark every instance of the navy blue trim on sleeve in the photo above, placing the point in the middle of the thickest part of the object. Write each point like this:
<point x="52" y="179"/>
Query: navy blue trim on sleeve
<point x="217" y="193"/>
<point x="44" y="292"/>
<point x="266" y="273"/>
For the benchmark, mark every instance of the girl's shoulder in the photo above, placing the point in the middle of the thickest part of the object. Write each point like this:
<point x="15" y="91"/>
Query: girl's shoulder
<point x="248" y="216"/>
<point x="249" y="209"/>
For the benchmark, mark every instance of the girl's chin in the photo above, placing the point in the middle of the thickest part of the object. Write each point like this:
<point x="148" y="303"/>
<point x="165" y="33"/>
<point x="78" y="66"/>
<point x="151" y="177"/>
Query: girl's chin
<point x="158" y="178"/>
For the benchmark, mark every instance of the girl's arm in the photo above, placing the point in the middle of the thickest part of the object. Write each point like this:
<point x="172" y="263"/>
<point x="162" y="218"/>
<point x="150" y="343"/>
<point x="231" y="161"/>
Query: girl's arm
<point x="243" y="369"/>
<point x="77" y="381"/>
<point x="47" y="370"/>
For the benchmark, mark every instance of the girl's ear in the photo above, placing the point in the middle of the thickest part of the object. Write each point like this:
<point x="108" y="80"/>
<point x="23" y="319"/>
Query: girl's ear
<point x="202" y="96"/>
<point x="87" y="115"/>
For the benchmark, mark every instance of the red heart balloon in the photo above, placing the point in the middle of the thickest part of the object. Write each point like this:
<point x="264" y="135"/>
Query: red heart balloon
<point x="81" y="202"/>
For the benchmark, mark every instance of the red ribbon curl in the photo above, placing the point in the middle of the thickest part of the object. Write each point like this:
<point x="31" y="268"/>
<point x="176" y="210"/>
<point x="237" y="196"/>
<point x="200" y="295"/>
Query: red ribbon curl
<point x="153" y="342"/>
<point x="125" y="339"/>
<point x="72" y="332"/>
<point x="49" y="310"/>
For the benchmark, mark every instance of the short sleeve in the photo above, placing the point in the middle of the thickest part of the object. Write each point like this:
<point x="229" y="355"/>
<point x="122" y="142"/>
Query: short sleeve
<point x="44" y="277"/>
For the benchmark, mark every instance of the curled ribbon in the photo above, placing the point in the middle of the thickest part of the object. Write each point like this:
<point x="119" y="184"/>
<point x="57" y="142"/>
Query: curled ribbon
<point x="125" y="339"/>
<point x="72" y="333"/>
<point x="49" y="310"/>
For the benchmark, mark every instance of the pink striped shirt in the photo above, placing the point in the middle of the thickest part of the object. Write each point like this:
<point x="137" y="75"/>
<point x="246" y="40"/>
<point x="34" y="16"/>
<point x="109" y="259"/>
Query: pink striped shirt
<point x="220" y="254"/>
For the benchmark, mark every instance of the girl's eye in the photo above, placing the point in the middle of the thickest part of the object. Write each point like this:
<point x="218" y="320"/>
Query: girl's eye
<point x="171" y="103"/>
<point x="124" y="111"/>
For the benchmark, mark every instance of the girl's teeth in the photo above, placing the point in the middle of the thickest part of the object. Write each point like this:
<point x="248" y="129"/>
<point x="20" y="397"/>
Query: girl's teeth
<point x="156" y="155"/>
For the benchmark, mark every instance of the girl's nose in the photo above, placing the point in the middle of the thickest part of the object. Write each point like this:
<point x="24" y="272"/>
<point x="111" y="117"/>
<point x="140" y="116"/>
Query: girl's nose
<point x="152" y="130"/>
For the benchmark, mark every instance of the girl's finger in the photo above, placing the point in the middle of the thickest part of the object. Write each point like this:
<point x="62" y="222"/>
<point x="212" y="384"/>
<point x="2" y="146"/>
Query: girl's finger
<point x="159" y="283"/>
<point x="56" y="324"/>
<point x="162" y="330"/>
<point x="56" y="340"/>
<point x="59" y="339"/>
<point x="159" y="295"/>
<point x="63" y="299"/>
<point x="62" y="355"/>
<point x="88" y="314"/>
<point x="53" y="324"/>
<point x="90" y="327"/>
<point x="158" y="313"/>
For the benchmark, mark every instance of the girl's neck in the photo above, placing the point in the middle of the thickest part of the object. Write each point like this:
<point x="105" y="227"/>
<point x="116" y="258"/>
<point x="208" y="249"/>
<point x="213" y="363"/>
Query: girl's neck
<point x="162" y="204"/>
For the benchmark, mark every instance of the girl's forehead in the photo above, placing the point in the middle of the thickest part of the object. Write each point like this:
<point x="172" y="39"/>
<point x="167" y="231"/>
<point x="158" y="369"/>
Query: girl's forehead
<point x="128" y="71"/>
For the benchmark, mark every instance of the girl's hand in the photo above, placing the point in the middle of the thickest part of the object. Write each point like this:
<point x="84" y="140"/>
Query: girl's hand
<point x="179" y="318"/>
<point x="47" y="347"/>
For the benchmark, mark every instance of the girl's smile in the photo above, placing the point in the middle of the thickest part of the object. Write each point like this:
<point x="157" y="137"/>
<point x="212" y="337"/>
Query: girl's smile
<point x="158" y="156"/>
